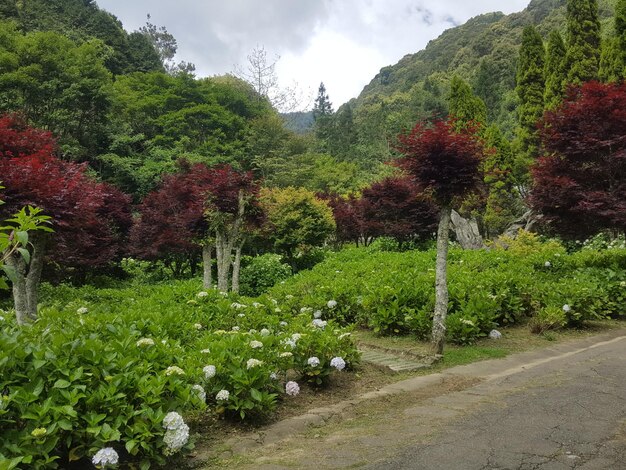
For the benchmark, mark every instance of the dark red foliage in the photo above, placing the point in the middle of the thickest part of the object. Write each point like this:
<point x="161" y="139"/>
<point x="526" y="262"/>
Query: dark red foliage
<point x="173" y="218"/>
<point x="90" y="219"/>
<point x="441" y="160"/>
<point x="395" y="208"/>
<point x="580" y="182"/>
<point x="348" y="217"/>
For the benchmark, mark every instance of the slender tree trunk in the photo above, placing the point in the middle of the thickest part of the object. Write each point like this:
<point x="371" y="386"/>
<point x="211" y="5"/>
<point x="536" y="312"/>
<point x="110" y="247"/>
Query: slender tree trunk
<point x="207" y="261"/>
<point x="38" y="241"/>
<point x="441" y="282"/>
<point x="223" y="260"/>
<point x="236" y="268"/>
<point x="20" y="298"/>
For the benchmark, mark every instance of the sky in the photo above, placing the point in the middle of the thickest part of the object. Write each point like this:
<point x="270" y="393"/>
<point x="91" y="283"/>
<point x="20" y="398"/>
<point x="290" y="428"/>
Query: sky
<point x="343" y="43"/>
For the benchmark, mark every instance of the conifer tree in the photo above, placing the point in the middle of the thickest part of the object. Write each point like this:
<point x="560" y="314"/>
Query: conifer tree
<point x="583" y="41"/>
<point x="465" y="107"/>
<point x="613" y="58"/>
<point x="620" y="28"/>
<point x="323" y="115"/>
<point x="530" y="88"/>
<point x="555" y="72"/>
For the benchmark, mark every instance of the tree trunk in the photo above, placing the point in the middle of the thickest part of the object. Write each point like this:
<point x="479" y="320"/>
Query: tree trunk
<point x="223" y="251"/>
<point x="467" y="233"/>
<point x="20" y="298"/>
<point x="207" y="261"/>
<point x="236" y="268"/>
<point x="441" y="282"/>
<point x="38" y="242"/>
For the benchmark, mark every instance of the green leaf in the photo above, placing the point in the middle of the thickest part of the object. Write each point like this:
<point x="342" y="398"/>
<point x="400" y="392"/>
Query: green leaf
<point x="22" y="237"/>
<point x="255" y="394"/>
<point x="61" y="384"/>
<point x="25" y="254"/>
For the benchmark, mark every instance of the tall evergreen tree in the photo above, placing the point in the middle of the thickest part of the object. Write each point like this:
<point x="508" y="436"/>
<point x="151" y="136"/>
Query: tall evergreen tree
<point x="620" y="28"/>
<point x="530" y="88"/>
<point x="583" y="41"/>
<point x="323" y="115"/>
<point x="465" y="107"/>
<point x="555" y="71"/>
<point x="613" y="58"/>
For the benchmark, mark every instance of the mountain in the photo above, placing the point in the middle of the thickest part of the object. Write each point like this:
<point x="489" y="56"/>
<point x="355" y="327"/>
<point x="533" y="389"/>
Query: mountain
<point x="483" y="51"/>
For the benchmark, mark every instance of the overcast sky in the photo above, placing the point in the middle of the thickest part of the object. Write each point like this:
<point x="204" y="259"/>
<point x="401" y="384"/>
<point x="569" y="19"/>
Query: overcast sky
<point x="342" y="43"/>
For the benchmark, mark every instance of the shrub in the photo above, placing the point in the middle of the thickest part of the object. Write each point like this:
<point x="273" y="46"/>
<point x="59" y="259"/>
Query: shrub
<point x="262" y="272"/>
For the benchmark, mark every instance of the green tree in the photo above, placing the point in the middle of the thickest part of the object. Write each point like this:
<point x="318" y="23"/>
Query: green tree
<point x="611" y="65"/>
<point x="323" y="116"/>
<point x="620" y="28"/>
<point x="555" y="71"/>
<point x="344" y="136"/>
<point x="530" y="88"/>
<point x="583" y="41"/>
<point x="464" y="105"/>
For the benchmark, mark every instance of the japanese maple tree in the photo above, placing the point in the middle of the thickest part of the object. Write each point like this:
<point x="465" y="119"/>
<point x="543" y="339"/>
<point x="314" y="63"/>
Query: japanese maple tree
<point x="444" y="162"/>
<point x="580" y="182"/>
<point x="89" y="218"/>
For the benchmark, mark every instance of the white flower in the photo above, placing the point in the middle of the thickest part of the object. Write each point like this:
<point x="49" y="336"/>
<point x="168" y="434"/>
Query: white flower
<point x="174" y="370"/>
<point x="235" y="328"/>
<point x="199" y="392"/>
<point x="253" y="363"/>
<point x="277" y="310"/>
<point x="313" y="361"/>
<point x="317" y="323"/>
<point x="197" y="326"/>
<point x="265" y="332"/>
<point x="289" y="297"/>
<point x="145" y="342"/>
<point x="173" y="420"/>
<point x="343" y="335"/>
<point x="338" y="363"/>
<point x="241" y="315"/>
<point x="566" y="308"/>
<point x="495" y="334"/>
<point x="547" y="264"/>
<point x="237" y="305"/>
<point x="317" y="314"/>
<point x="332" y="303"/>
<point x="202" y="294"/>
<point x="106" y="456"/>
<point x="284" y="323"/>
<point x="209" y="371"/>
<point x="256" y="344"/>
<point x="82" y="311"/>
<point x="289" y="342"/>
<point x="467" y="322"/>
<point x="296" y="336"/>
<point x="273" y="376"/>
<point x="286" y="354"/>
<point x="256" y="304"/>
<point x="252" y="331"/>
<point x="292" y="388"/>
<point x="175" y="439"/>
<point x="223" y="294"/>
<point x="306" y="310"/>
<point x="205" y="351"/>
<point x="222" y="395"/>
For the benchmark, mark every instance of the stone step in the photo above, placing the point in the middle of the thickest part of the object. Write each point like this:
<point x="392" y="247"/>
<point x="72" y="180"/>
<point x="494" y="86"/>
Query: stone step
<point x="391" y="361"/>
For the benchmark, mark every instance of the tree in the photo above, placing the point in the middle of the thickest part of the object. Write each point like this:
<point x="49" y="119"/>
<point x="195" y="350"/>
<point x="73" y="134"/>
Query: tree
<point x="555" y="70"/>
<point x="465" y="107"/>
<point x="580" y="182"/>
<point x="444" y="162"/>
<point x="620" y="30"/>
<point x="613" y="57"/>
<point x="530" y="88"/>
<point x="583" y="41"/>
<point x="165" y="46"/>
<point x="394" y="207"/>
<point x="323" y="116"/>
<point x="348" y="218"/>
<point x="297" y="220"/>
<point x="90" y="219"/>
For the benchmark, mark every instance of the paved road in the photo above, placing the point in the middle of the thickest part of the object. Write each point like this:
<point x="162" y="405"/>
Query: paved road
<point x="559" y="408"/>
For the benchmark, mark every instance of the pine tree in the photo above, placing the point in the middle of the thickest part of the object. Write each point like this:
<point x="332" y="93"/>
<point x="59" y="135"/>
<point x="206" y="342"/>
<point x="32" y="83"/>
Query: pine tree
<point x="611" y="65"/>
<point x="465" y="107"/>
<point x="583" y="41"/>
<point x="555" y="72"/>
<point x="323" y="106"/>
<point x="323" y="115"/>
<point x="530" y="88"/>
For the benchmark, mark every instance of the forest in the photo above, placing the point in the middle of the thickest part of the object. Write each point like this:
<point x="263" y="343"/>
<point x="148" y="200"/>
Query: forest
<point x="177" y="249"/>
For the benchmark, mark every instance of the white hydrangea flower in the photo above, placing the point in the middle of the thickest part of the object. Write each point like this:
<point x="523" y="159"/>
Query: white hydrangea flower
<point x="205" y="351"/>
<point x="173" y="420"/>
<point x="82" y="311"/>
<point x="197" y="326"/>
<point x="199" y="391"/>
<point x="292" y="388"/>
<point x="265" y="332"/>
<point x="286" y="354"/>
<point x="547" y="264"/>
<point x="306" y="310"/>
<point x="174" y="370"/>
<point x="317" y="323"/>
<point x="296" y="337"/>
<point x="145" y="342"/>
<point x="567" y="308"/>
<point x="252" y="331"/>
<point x="283" y="323"/>
<point x="338" y="363"/>
<point x="274" y="376"/>
<point x="241" y="315"/>
<point x="202" y="294"/>
<point x="209" y="371"/>
<point x="256" y="344"/>
<point x="331" y="303"/>
<point x="222" y="395"/>
<point x="235" y="328"/>
<point x="289" y="342"/>
<point x="317" y="314"/>
<point x="253" y="363"/>
<point x="105" y="456"/>
<point x="467" y="322"/>
<point x="313" y="361"/>
<point x="176" y="439"/>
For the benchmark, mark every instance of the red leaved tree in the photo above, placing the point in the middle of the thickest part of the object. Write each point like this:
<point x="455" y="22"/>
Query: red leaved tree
<point x="444" y="163"/>
<point x="580" y="182"/>
<point x="89" y="219"/>
<point x="348" y="218"/>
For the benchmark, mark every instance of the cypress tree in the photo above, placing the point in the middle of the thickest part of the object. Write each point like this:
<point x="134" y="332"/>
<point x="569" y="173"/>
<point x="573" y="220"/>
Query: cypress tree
<point x="464" y="105"/>
<point x="583" y="41"/>
<point x="555" y="72"/>
<point x="530" y="88"/>
<point x="611" y="65"/>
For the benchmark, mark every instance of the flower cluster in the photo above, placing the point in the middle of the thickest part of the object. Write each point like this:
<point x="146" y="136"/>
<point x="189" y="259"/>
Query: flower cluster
<point x="253" y="363"/>
<point x="82" y="310"/>
<point x="145" y="342"/>
<point x="338" y="363"/>
<point x="256" y="344"/>
<point x="332" y="303"/>
<point x="176" y="434"/>
<point x="174" y="370"/>
<point x="198" y="390"/>
<point x="105" y="456"/>
<point x="222" y="395"/>
<point x="202" y="294"/>
<point x="292" y="388"/>
<point x="209" y="371"/>
<point x="317" y="323"/>
<point x="313" y="361"/>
